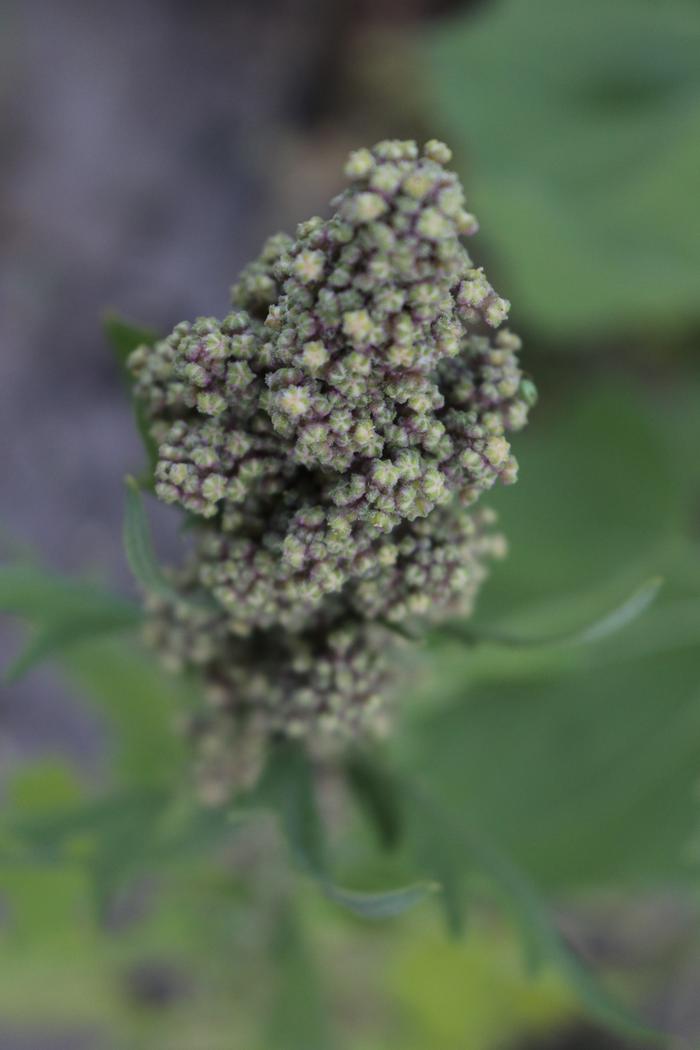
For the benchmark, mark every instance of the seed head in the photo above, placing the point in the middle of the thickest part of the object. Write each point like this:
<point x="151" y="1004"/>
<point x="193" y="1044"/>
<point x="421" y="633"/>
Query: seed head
<point x="329" y="434"/>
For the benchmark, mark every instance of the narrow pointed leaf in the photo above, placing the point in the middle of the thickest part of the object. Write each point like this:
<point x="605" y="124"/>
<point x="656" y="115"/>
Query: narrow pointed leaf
<point x="383" y="904"/>
<point x="42" y="597"/>
<point x="637" y="603"/>
<point x="609" y="624"/>
<point x="297" y="1017"/>
<point x="377" y="796"/>
<point x="288" y="784"/>
<point x="54" y="638"/>
<point x="64" y="612"/>
<point x="125" y="337"/>
<point x="138" y="547"/>
<point x="541" y="939"/>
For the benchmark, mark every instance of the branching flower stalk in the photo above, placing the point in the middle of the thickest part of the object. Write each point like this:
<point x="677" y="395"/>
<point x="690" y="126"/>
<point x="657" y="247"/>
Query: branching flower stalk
<point x="329" y="436"/>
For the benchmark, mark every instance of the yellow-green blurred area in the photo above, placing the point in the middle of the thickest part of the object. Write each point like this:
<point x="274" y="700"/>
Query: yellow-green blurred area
<point x="576" y="129"/>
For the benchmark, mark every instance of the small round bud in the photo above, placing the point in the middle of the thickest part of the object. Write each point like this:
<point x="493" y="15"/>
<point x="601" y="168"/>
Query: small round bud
<point x="366" y="207"/>
<point x="308" y="266"/>
<point x="359" y="164"/>
<point x="294" y="401"/>
<point x="437" y="151"/>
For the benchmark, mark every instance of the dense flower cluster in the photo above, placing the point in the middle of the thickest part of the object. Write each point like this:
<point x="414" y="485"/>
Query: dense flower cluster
<point x="329" y="433"/>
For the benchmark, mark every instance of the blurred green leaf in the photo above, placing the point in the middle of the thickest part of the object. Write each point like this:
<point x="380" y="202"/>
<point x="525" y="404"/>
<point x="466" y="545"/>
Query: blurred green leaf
<point x="475" y="993"/>
<point x="542" y="940"/>
<point x="41" y="787"/>
<point x="142" y="703"/>
<point x="589" y="776"/>
<point x="545" y="945"/>
<point x="38" y="595"/>
<point x="441" y="856"/>
<point x="62" y="612"/>
<point x="583" y="761"/>
<point x="377" y="796"/>
<point x="383" y="905"/>
<point x="607" y="625"/>
<point x="597" y="501"/>
<point x="138" y="547"/>
<point x="554" y="107"/>
<point x="125" y="337"/>
<point x="297" y="1018"/>
<point x="54" y="638"/>
<point x="288" y="785"/>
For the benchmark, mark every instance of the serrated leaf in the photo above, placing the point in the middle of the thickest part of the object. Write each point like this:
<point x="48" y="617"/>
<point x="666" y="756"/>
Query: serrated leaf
<point x="545" y="945"/>
<point x="289" y="784"/>
<point x="383" y="904"/>
<point x="542" y="941"/>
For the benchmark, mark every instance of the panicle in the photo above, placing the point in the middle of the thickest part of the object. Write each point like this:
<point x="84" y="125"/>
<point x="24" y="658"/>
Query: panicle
<point x="329" y="433"/>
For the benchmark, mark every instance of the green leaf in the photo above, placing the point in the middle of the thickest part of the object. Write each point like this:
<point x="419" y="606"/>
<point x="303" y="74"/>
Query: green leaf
<point x="288" y="784"/>
<point x="542" y="940"/>
<point x="141" y="701"/>
<point x="441" y="857"/>
<point x="377" y="796"/>
<point x="63" y="612"/>
<point x="54" y="638"/>
<point x="124" y="338"/>
<point x="612" y="622"/>
<point x="616" y="619"/>
<point x="544" y="943"/>
<point x="591" y="230"/>
<point x="40" y="596"/>
<point x="296" y="1018"/>
<point x="138" y="547"/>
<point x="381" y="905"/>
<point x="43" y="786"/>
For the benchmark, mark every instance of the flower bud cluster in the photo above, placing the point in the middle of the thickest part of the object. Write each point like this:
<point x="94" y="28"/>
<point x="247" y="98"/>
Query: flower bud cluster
<point x="331" y="431"/>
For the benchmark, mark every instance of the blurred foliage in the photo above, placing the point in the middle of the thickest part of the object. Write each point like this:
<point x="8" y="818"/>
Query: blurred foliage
<point x="585" y="760"/>
<point x="580" y="126"/>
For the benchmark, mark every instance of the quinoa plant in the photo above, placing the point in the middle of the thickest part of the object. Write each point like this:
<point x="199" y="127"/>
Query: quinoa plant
<point x="327" y="443"/>
<point x="330" y="437"/>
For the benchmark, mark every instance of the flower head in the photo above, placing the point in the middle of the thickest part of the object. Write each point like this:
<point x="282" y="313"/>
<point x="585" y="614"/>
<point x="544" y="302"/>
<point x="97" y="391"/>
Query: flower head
<point x="329" y="433"/>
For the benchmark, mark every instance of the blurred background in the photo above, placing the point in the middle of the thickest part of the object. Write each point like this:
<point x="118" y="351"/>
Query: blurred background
<point x="147" y="149"/>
